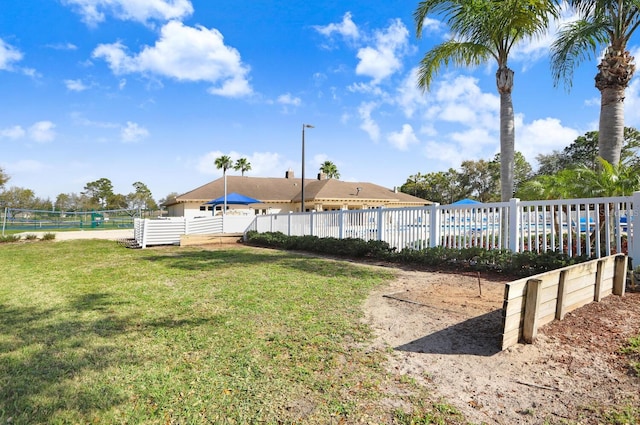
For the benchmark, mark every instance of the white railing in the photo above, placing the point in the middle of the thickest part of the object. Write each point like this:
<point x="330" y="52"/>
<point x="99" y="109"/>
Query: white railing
<point x="168" y="231"/>
<point x="594" y="227"/>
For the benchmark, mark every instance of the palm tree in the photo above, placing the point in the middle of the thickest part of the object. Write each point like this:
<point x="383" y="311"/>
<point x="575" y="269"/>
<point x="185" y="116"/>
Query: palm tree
<point x="242" y="165"/>
<point x="601" y="22"/>
<point x="606" y="180"/>
<point x="330" y="170"/>
<point x="482" y="30"/>
<point x="224" y="162"/>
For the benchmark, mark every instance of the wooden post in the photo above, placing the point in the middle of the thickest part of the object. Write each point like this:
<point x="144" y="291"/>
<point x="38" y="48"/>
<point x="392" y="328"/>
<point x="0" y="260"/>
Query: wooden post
<point x="531" y="307"/>
<point x="598" y="285"/>
<point x="620" y="275"/>
<point x="562" y="292"/>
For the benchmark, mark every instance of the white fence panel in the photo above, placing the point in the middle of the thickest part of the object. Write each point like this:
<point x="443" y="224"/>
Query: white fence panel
<point x="327" y="225"/>
<point x="149" y="232"/>
<point x="594" y="227"/>
<point x="204" y="225"/>
<point x="360" y="224"/>
<point x="163" y="232"/>
<point x="234" y="224"/>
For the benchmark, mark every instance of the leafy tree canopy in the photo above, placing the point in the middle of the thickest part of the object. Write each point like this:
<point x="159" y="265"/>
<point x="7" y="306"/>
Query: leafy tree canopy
<point x="4" y="178"/>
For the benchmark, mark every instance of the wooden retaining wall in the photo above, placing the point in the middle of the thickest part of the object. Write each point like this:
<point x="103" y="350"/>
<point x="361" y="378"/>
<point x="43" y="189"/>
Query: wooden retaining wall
<point x="537" y="300"/>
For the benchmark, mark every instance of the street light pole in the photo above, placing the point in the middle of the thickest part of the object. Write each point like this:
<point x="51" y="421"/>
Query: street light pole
<point x="302" y="192"/>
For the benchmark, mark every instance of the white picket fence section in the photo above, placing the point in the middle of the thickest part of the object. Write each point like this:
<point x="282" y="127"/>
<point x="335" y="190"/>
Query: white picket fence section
<point x="150" y="232"/>
<point x="595" y="227"/>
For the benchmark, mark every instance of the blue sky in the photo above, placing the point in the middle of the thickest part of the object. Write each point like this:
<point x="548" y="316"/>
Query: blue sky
<point x="155" y="90"/>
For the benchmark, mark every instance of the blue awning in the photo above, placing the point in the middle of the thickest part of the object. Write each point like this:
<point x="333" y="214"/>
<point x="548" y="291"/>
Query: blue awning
<point x="466" y="201"/>
<point x="235" y="198"/>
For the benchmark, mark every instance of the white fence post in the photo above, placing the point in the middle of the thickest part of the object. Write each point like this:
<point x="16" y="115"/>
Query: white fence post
<point x="380" y="223"/>
<point x="514" y="225"/>
<point x="144" y="232"/>
<point x="632" y="227"/>
<point x="311" y="222"/>
<point x="341" y="224"/>
<point x="434" y="225"/>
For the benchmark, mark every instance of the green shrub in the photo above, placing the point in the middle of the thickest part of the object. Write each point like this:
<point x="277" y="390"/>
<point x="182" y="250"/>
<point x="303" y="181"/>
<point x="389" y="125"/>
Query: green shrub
<point x="48" y="236"/>
<point x="9" y="238"/>
<point x="526" y="263"/>
<point x="31" y="237"/>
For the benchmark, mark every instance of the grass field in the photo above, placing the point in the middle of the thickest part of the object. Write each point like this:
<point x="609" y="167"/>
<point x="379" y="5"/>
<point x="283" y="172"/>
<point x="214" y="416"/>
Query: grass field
<point x="91" y="332"/>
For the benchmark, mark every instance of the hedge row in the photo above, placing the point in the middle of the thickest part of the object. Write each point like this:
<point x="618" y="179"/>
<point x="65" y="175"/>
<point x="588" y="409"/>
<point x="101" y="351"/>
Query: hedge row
<point x="465" y="259"/>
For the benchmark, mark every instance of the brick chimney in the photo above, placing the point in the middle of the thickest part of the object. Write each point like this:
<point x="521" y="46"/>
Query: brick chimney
<point x="288" y="174"/>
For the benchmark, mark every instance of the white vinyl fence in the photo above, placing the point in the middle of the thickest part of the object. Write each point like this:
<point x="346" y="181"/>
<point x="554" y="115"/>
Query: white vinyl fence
<point x="167" y="231"/>
<point x="595" y="227"/>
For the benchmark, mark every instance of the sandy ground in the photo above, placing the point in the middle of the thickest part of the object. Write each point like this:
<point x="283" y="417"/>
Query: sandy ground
<point x="447" y="336"/>
<point x="87" y="234"/>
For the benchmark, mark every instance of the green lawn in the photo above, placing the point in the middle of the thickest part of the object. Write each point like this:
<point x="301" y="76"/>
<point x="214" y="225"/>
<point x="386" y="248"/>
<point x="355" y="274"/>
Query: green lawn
<point x="91" y="332"/>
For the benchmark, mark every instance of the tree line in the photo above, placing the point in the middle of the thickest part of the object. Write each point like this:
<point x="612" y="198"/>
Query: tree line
<point x="575" y="172"/>
<point x="97" y="195"/>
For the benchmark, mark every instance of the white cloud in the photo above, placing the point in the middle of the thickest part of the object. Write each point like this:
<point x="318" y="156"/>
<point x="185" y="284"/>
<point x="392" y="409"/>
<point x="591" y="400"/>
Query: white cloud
<point x="42" y="131"/>
<point x="62" y="46"/>
<point x="368" y="124"/>
<point x="25" y="165"/>
<point x="185" y="54"/>
<point x="410" y="97"/>
<point x="8" y="56"/>
<point x="79" y="119"/>
<point x="542" y="136"/>
<point x="475" y="142"/>
<point x="430" y="25"/>
<point x="446" y="153"/>
<point x="287" y="99"/>
<point x="132" y="132"/>
<point x="460" y="100"/>
<point x="75" y="85"/>
<point x="383" y="59"/>
<point x="94" y="11"/>
<point x="13" y="133"/>
<point x="346" y="28"/>
<point x="401" y="140"/>
<point x="467" y="123"/>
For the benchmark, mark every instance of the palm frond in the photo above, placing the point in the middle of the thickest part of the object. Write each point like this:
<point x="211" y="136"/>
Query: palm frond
<point x="434" y="7"/>
<point x="464" y="54"/>
<point x="576" y="43"/>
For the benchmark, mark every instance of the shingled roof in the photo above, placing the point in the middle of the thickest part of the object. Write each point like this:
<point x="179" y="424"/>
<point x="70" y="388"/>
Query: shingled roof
<point x="287" y="190"/>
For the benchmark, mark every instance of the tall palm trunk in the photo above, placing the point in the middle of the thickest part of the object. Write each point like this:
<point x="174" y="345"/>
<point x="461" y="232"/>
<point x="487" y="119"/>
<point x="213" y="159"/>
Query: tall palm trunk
<point x="615" y="72"/>
<point x="504" y="82"/>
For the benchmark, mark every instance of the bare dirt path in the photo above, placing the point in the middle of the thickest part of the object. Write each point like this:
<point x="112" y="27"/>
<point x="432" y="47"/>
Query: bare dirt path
<point x="446" y="336"/>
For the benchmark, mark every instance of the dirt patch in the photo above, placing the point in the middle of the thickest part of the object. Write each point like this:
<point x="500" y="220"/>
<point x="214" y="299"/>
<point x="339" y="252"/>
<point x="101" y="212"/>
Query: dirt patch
<point x="447" y="336"/>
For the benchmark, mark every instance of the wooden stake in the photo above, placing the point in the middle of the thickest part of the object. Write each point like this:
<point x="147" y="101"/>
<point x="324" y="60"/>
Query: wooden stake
<point x="479" y="285"/>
